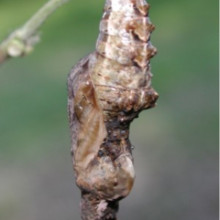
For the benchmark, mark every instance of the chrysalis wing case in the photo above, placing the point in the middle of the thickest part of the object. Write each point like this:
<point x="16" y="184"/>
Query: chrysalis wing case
<point x="106" y="91"/>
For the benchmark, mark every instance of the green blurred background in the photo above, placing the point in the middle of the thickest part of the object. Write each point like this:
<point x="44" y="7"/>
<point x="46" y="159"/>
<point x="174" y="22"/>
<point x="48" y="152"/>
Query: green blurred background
<point x="176" y="143"/>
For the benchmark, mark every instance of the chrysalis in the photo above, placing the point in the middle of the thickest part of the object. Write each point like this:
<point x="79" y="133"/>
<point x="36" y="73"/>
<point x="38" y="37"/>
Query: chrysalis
<point x="106" y="91"/>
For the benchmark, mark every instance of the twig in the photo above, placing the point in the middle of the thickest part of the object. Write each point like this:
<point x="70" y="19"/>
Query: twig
<point x="21" y="41"/>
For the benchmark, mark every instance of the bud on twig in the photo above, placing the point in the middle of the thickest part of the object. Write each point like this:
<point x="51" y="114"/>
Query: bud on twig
<point x="21" y="42"/>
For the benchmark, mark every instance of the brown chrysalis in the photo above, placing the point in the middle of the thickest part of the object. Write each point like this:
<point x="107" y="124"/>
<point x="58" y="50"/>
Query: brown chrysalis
<point x="106" y="91"/>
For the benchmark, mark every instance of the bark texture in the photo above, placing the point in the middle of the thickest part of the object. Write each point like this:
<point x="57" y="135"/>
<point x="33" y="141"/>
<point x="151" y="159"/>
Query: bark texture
<point x="106" y="91"/>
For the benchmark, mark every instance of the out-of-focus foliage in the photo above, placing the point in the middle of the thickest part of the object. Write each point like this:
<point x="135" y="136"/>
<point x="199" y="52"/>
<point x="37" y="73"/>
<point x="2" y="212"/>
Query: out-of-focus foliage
<point x="176" y="144"/>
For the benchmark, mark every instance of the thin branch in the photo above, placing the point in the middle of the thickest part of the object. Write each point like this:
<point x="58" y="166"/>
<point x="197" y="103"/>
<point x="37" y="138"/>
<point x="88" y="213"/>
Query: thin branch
<point x="22" y="40"/>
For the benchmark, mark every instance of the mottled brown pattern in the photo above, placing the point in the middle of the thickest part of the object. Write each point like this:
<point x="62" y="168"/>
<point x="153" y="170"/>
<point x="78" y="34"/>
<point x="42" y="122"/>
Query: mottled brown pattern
<point x="94" y="209"/>
<point x="106" y="91"/>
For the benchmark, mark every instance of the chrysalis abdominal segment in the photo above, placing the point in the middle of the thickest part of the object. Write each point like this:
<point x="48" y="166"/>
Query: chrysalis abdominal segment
<point x="106" y="91"/>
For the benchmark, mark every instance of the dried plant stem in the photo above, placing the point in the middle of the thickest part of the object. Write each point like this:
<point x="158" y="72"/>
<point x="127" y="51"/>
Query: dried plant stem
<point x="21" y="41"/>
<point x="92" y="207"/>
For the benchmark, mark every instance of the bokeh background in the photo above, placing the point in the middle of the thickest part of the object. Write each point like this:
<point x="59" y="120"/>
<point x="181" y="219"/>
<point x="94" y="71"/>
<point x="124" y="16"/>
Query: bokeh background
<point x="176" y="143"/>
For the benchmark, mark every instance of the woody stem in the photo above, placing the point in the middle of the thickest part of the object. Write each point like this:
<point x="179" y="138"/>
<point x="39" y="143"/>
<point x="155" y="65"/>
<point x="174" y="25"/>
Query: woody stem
<point x="21" y="41"/>
<point x="92" y="208"/>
